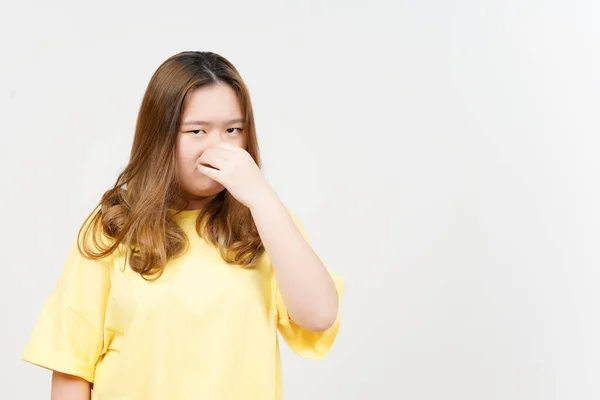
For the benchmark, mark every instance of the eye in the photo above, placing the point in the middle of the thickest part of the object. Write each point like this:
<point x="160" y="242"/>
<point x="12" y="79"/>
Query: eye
<point x="234" y="131"/>
<point x="197" y="131"/>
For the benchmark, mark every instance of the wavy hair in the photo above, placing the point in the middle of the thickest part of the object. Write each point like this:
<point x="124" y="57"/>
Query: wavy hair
<point x="135" y="212"/>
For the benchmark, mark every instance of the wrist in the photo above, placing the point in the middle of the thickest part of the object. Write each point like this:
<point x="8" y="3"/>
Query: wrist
<point x="267" y="201"/>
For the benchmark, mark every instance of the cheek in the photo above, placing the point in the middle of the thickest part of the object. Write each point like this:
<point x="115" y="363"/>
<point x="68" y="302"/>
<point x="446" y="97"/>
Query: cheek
<point x="188" y="153"/>
<point x="239" y="141"/>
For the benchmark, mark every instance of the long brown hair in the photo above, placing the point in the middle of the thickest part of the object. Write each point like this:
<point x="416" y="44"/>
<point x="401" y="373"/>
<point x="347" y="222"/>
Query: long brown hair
<point x="135" y="212"/>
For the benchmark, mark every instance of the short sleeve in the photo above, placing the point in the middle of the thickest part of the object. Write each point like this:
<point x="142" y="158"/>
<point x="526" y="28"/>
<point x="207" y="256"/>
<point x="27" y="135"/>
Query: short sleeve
<point x="68" y="334"/>
<point x="306" y="343"/>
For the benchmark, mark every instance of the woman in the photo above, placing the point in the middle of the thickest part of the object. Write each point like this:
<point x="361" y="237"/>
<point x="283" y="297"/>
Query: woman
<point x="179" y="280"/>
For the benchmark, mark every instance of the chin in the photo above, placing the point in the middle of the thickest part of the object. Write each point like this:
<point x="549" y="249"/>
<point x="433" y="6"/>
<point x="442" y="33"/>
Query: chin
<point x="206" y="190"/>
<point x="199" y="189"/>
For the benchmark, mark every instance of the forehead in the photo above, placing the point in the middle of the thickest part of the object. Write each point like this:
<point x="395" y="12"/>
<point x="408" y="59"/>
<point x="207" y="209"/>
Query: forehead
<point x="212" y="103"/>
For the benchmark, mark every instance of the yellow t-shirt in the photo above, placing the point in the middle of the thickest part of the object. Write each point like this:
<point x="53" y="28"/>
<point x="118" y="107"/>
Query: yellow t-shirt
<point x="204" y="330"/>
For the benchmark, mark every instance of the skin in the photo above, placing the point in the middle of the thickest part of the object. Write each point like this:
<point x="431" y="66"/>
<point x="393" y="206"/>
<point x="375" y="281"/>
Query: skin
<point x="211" y="157"/>
<point x="68" y="387"/>
<point x="219" y="120"/>
<point x="305" y="285"/>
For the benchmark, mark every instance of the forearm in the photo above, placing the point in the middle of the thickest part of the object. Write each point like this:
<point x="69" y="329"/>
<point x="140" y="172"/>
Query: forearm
<point x="68" y="387"/>
<point x="305" y="284"/>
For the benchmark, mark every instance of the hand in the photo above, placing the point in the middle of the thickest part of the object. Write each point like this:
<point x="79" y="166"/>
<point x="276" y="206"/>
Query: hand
<point x="234" y="168"/>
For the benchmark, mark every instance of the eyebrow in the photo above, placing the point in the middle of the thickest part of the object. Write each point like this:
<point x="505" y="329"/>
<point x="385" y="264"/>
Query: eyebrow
<point x="196" y="122"/>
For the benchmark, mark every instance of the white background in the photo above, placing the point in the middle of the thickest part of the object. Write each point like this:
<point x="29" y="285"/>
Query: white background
<point x="442" y="155"/>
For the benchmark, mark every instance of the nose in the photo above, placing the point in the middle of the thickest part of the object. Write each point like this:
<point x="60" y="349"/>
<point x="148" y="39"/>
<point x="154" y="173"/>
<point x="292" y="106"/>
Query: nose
<point x="214" y="138"/>
<point x="210" y="140"/>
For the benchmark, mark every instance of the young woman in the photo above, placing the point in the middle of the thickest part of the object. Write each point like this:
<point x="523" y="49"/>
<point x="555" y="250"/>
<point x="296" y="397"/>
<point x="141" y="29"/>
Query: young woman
<point x="179" y="280"/>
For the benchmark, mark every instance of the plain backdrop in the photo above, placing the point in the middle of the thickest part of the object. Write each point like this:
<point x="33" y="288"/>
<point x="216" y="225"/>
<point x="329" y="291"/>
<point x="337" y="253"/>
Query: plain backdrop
<point x="442" y="155"/>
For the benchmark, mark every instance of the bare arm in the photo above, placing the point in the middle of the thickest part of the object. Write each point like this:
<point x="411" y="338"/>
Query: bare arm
<point x="69" y="387"/>
<point x="305" y="285"/>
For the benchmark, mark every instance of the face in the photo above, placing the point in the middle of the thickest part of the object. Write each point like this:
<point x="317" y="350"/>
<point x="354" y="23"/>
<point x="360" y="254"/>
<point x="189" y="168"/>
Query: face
<point x="212" y="115"/>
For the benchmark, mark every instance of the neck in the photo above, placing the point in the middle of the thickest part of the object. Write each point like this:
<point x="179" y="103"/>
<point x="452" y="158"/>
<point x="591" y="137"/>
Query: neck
<point x="194" y="202"/>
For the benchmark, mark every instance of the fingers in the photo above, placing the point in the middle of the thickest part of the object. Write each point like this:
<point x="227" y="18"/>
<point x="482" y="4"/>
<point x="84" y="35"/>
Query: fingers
<point x="212" y="173"/>
<point x="213" y="158"/>
<point x="219" y="154"/>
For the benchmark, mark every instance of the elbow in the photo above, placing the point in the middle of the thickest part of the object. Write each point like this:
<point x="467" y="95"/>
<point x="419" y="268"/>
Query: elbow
<point x="321" y="321"/>
<point x="316" y="316"/>
<point x="322" y="325"/>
